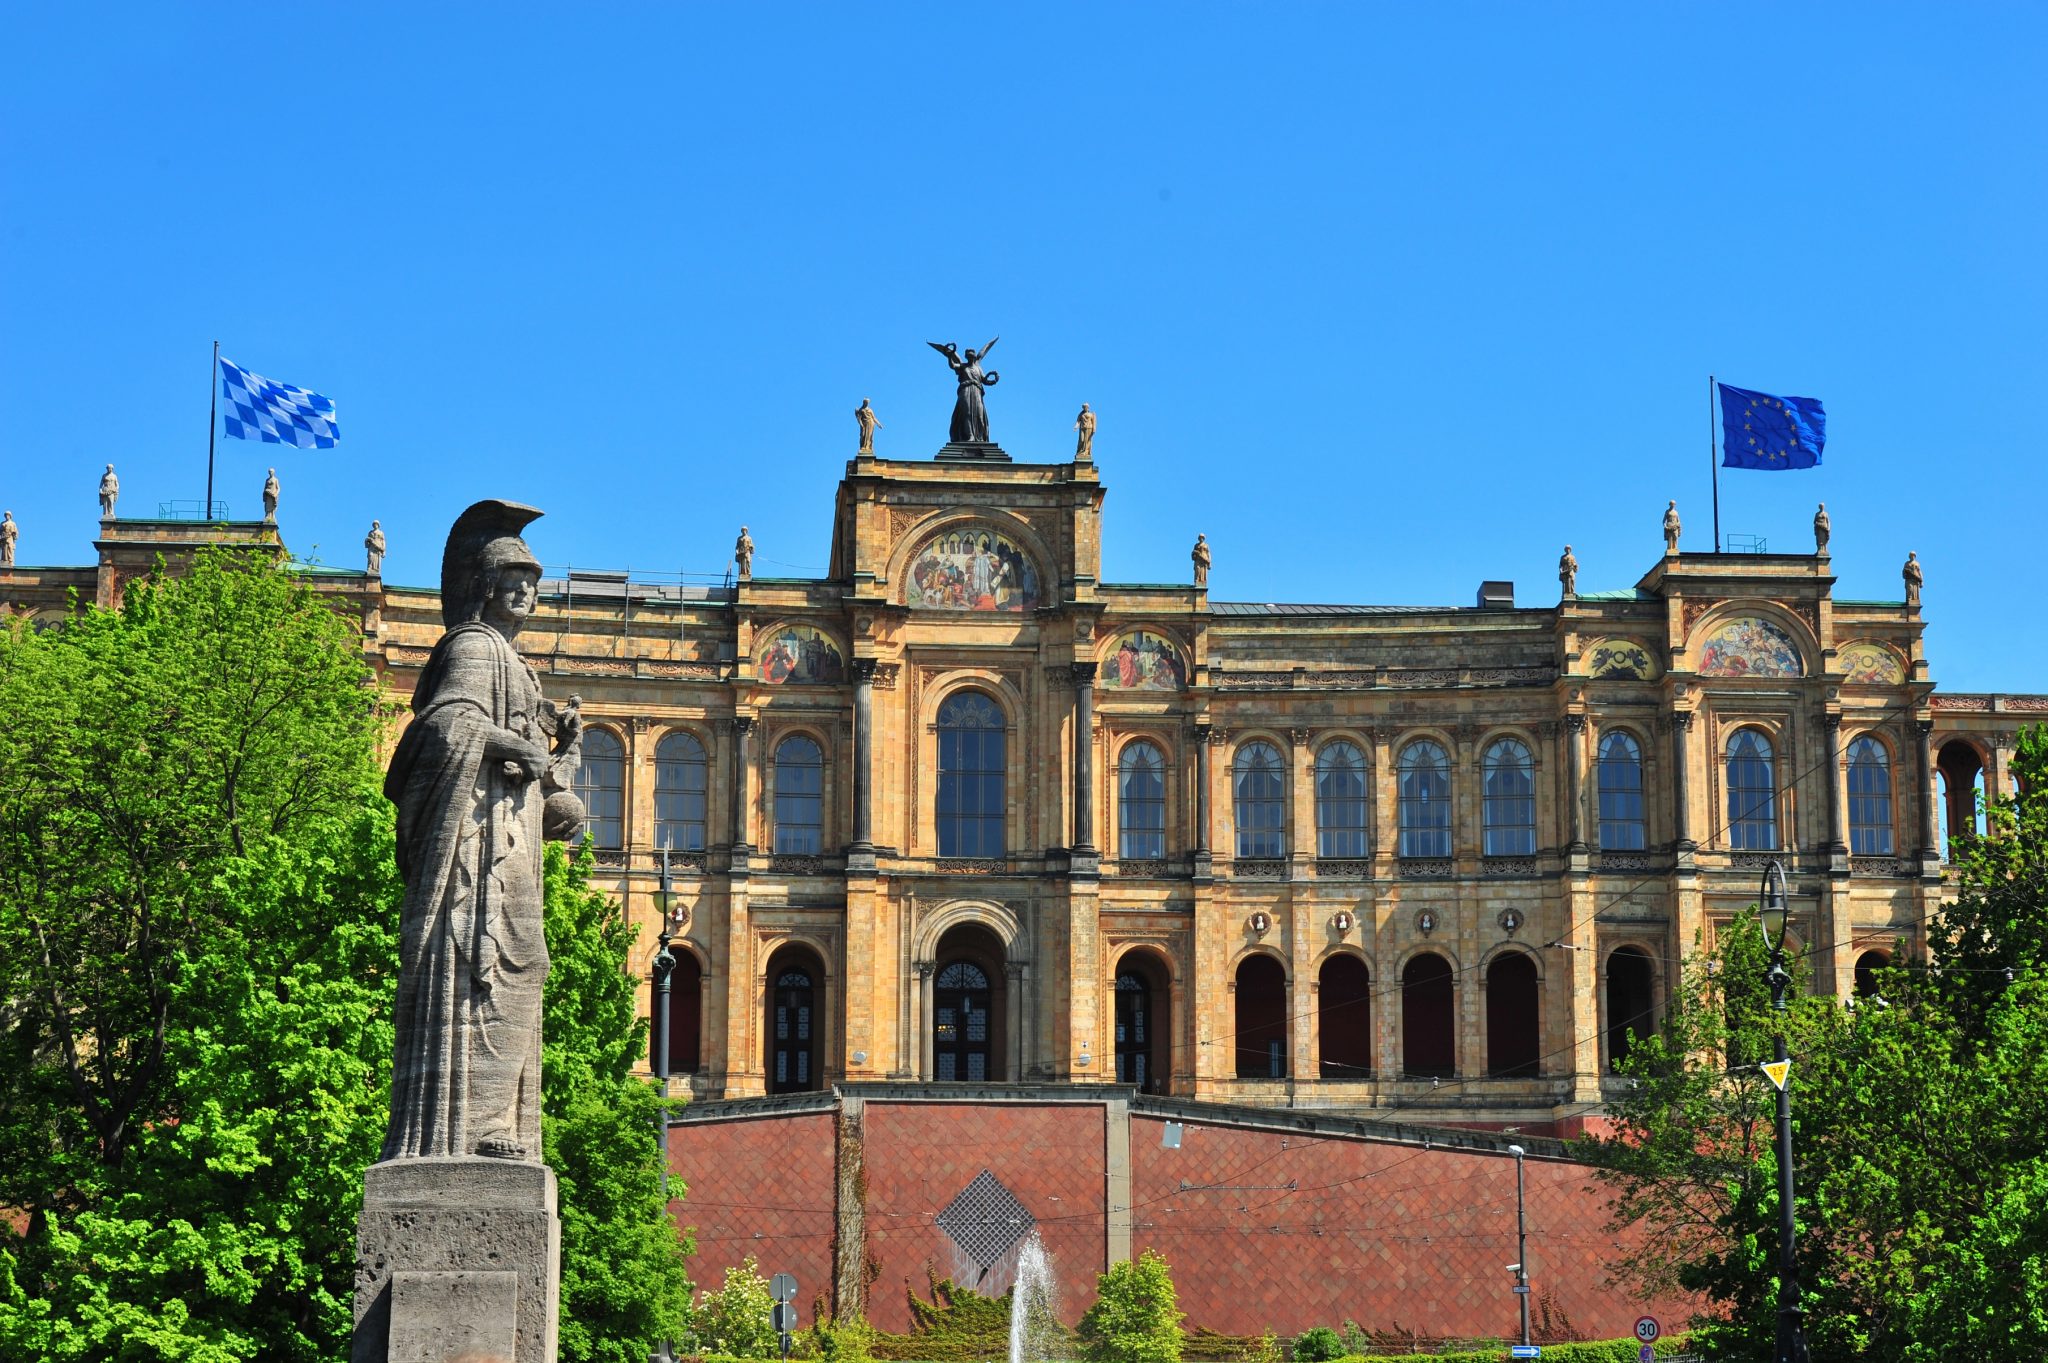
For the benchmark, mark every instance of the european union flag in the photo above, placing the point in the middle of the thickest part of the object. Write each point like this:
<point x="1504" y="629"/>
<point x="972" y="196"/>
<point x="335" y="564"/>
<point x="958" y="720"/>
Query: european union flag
<point x="1759" y="431"/>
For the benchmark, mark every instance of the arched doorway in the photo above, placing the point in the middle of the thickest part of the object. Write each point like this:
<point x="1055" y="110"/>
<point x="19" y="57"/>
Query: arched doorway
<point x="1514" y="1017"/>
<point x="1631" y="1000"/>
<point x="796" y="1016"/>
<point x="685" y="1015"/>
<point x="1261" y="1019"/>
<point x="1867" y="966"/>
<point x="1429" y="1029"/>
<point x="1143" y="1004"/>
<point x="1961" y="771"/>
<point x="969" y="1000"/>
<point x="1344" y="1017"/>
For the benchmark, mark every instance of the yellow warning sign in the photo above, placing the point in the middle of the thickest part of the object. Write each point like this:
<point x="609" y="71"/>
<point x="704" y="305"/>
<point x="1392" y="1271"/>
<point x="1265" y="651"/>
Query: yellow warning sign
<point x="1776" y="1071"/>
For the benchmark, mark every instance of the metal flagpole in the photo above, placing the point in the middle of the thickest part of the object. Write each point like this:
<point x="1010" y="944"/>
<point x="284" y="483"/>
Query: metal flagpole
<point x="1714" y="463"/>
<point x="212" y="423"/>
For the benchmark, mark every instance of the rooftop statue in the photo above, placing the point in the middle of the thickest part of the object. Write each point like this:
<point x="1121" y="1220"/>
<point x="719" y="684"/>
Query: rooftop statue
<point x="865" y="418"/>
<point x="1671" y="527"/>
<point x="1821" y="529"/>
<point x="9" y="532"/>
<point x="1084" y="445"/>
<point x="373" y="544"/>
<point x="270" y="491"/>
<point x="1568" y="572"/>
<point x="970" y="414"/>
<point x="110" y="493"/>
<point x="478" y="787"/>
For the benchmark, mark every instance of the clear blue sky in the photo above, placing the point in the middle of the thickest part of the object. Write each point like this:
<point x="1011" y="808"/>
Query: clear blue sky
<point x="1386" y="299"/>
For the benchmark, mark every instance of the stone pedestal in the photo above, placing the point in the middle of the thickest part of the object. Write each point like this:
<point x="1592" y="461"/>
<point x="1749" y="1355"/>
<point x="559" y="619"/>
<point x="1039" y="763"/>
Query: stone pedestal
<point x="458" y="1260"/>
<point x="972" y="451"/>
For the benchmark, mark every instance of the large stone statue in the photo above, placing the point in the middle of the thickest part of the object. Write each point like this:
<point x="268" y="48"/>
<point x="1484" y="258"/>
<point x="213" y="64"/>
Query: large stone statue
<point x="1821" y="529"/>
<point x="1913" y="580"/>
<point x="9" y="533"/>
<point x="110" y="493"/>
<point x="1084" y="445"/>
<point x="1671" y="527"/>
<point x="970" y="413"/>
<point x="1568" y="572"/>
<point x="270" y="491"/>
<point x="373" y="544"/>
<point x="458" y="1249"/>
<point x="471" y="777"/>
<point x="865" y="418"/>
<point x="1201" y="558"/>
<point x="743" y="554"/>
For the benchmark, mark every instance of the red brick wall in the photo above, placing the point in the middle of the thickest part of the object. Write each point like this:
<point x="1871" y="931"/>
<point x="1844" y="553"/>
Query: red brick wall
<point x="1387" y="1235"/>
<point x="761" y="1186"/>
<point x="921" y="1155"/>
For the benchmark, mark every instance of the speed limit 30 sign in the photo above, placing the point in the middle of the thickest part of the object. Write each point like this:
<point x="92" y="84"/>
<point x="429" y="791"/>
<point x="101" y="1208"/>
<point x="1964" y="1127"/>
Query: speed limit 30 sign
<point x="1647" y="1328"/>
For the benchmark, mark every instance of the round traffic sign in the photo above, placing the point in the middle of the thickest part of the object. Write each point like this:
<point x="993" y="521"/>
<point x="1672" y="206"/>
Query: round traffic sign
<point x="1646" y="1354"/>
<point x="1647" y="1328"/>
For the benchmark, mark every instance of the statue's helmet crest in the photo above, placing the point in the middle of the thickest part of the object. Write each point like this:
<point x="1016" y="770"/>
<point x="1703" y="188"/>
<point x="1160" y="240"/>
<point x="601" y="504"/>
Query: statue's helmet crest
<point x="483" y="541"/>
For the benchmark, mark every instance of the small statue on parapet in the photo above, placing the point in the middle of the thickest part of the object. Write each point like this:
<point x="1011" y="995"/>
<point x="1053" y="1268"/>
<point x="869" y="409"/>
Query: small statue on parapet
<point x="865" y="418"/>
<point x="374" y="544"/>
<point x="270" y="491"/>
<point x="1084" y="446"/>
<point x="110" y="493"/>
<point x="9" y="533"/>
<point x="970" y="412"/>
<point x="743" y="554"/>
<point x="1671" y="527"/>
<point x="1201" y="557"/>
<point x="1568" y="572"/>
<point x="1913" y="578"/>
<point x="1821" y="530"/>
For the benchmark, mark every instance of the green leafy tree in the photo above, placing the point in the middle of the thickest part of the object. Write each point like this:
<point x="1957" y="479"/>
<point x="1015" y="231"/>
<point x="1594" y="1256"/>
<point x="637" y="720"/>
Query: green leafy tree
<point x="736" y="1319"/>
<point x="625" y="1278"/>
<point x="1319" y="1345"/>
<point x="1921" y="1130"/>
<point x="1136" y="1317"/>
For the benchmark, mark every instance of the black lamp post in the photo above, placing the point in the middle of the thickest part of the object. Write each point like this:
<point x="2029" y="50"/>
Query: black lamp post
<point x="1521" y="1245"/>
<point x="664" y="970"/>
<point x="1791" y="1345"/>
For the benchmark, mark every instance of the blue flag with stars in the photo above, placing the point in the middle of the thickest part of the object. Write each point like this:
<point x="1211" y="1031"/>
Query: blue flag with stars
<point x="1760" y="431"/>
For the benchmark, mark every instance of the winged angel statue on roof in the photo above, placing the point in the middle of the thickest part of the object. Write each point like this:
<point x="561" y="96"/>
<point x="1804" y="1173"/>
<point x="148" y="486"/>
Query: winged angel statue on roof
<point x="970" y="413"/>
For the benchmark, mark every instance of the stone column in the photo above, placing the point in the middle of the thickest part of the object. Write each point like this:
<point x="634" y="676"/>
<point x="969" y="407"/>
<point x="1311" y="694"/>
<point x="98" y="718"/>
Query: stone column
<point x="742" y="788"/>
<point x="1681" y="820"/>
<point x="1203" y="734"/>
<point x="921" y="1020"/>
<point x="1013" y="1021"/>
<point x="1084" y="757"/>
<point x="1930" y="837"/>
<point x="1831" y="740"/>
<point x="1574" y="746"/>
<point x="863" y="756"/>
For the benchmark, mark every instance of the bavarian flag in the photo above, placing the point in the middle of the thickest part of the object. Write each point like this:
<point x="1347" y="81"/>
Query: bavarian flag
<point x="1759" y="431"/>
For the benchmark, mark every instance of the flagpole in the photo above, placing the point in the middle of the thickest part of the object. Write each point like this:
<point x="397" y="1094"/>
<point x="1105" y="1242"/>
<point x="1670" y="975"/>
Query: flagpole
<point x="212" y="423"/>
<point x="1713" y="463"/>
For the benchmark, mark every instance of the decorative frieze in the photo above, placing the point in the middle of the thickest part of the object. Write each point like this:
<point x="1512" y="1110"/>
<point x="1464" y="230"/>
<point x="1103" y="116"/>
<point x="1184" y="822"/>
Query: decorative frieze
<point x="1259" y="868"/>
<point x="1424" y="868"/>
<point x="1508" y="866"/>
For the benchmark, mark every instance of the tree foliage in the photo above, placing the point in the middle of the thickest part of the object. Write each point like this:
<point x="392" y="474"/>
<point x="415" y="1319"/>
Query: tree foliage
<point x="1920" y="1129"/>
<point x="1136" y="1317"/>
<point x="736" y="1319"/>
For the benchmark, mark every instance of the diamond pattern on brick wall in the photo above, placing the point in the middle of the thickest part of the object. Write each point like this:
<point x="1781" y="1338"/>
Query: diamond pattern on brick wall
<point x="986" y="1220"/>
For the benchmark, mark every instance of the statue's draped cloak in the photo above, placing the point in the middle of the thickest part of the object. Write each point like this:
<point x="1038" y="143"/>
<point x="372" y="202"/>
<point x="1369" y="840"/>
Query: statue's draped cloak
<point x="469" y="847"/>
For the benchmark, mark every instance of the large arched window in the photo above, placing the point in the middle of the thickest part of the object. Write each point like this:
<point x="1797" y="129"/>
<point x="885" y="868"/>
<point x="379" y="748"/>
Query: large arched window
<point x="1867" y="966"/>
<point x="1752" y="793"/>
<point x="1514" y="1017"/>
<point x="679" y="791"/>
<point x="972" y="800"/>
<point x="1141" y="1006"/>
<point x="1260" y="787"/>
<point x="1340" y="801"/>
<point x="962" y="1039"/>
<point x="799" y="796"/>
<point x="1261" y="1019"/>
<point x="1870" y="798"/>
<point x="1424" y="773"/>
<point x="1141" y="803"/>
<point x="601" y="785"/>
<point x="1631" y="1000"/>
<point x="1620" y="777"/>
<point x="1344" y="1017"/>
<point x="1429" y="1023"/>
<point x="1509" y="808"/>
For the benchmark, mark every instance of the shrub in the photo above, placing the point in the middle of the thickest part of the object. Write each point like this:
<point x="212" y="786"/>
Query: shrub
<point x="1136" y="1318"/>
<point x="1319" y="1345"/>
<point x="735" y="1320"/>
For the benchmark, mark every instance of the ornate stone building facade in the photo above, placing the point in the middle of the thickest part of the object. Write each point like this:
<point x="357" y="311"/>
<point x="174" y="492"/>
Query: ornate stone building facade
<point x="962" y="811"/>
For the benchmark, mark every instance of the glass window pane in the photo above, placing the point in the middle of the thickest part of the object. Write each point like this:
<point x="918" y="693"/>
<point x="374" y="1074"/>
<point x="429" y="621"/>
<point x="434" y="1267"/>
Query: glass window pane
<point x="1508" y="800"/>
<point x="1141" y="803"/>
<point x="1424" y="779"/>
<point x="601" y="784"/>
<point x="1752" y="793"/>
<point x="1340" y="801"/>
<point x="1619" y="778"/>
<point x="1870" y="798"/>
<point x="970" y="806"/>
<point x="680" y="781"/>
<point x="799" y="797"/>
<point x="1261" y="804"/>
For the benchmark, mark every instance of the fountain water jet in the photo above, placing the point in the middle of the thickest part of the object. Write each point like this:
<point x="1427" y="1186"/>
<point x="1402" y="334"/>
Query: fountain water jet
<point x="1035" y="1331"/>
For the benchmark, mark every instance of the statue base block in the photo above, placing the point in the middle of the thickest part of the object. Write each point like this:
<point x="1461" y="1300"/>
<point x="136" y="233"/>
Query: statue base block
<point x="977" y="451"/>
<point x="457" y="1258"/>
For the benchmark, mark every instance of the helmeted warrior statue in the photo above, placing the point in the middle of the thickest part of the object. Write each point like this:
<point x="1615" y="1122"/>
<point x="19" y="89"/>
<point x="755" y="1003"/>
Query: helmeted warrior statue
<point x="481" y="778"/>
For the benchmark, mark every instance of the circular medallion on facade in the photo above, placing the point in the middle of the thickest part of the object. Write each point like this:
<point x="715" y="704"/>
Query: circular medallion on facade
<point x="1425" y="922"/>
<point x="1260" y="923"/>
<point x="1342" y="922"/>
<point x="1510" y="919"/>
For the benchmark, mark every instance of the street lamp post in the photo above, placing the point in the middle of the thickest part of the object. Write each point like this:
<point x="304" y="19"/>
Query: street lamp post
<point x="1791" y="1345"/>
<point x="664" y="970"/>
<point x="1521" y="1243"/>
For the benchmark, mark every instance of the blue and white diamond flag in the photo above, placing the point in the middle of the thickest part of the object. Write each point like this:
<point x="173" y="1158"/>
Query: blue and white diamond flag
<point x="260" y="409"/>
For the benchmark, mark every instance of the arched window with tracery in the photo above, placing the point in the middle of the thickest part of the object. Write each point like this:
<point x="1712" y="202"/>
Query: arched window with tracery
<point x="1340" y="801"/>
<point x="1619" y="776"/>
<point x="1141" y="802"/>
<point x="972" y="769"/>
<point x="799" y="796"/>
<point x="1752" y="793"/>
<point x="1260" y="786"/>
<point x="1870" y="798"/>
<point x="962" y="1037"/>
<point x="680" y="783"/>
<point x="1424" y="776"/>
<point x="1508" y="809"/>
<point x="601" y="785"/>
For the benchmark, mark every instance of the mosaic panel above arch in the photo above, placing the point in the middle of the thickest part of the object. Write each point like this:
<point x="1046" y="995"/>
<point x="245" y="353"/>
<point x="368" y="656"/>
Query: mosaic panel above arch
<point x="1620" y="660"/>
<point x="972" y="568"/>
<point x="1143" y="661"/>
<point x="801" y="655"/>
<point x="1866" y="662"/>
<point x="1750" y="646"/>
